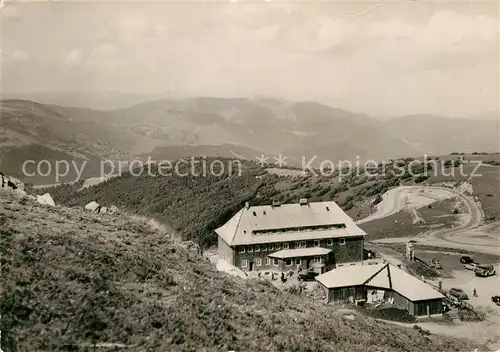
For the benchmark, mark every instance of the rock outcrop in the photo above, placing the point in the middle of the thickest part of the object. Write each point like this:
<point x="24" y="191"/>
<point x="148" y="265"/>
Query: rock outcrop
<point x="10" y="182"/>
<point x="92" y="206"/>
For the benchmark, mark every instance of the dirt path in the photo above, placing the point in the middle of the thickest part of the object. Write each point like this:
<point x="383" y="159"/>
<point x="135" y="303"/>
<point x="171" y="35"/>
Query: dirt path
<point x="409" y="197"/>
<point x="468" y="235"/>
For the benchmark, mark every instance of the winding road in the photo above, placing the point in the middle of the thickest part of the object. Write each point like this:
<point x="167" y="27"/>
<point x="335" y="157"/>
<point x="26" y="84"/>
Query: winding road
<point x="469" y="235"/>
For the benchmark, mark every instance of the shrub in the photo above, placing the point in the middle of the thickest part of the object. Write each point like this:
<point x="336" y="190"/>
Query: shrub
<point x="377" y="199"/>
<point x="347" y="206"/>
<point x="421" y="178"/>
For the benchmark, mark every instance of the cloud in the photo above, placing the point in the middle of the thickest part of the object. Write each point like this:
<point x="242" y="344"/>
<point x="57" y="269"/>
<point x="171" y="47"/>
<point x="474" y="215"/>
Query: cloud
<point x="74" y="58"/>
<point x="9" y="10"/>
<point x="355" y="55"/>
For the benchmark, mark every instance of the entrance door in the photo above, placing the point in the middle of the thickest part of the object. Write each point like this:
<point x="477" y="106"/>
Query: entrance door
<point x="251" y="266"/>
<point x="308" y="262"/>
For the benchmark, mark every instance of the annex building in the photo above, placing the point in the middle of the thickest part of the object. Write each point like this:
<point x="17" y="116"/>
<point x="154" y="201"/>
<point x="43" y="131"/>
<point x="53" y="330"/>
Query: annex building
<point x="379" y="282"/>
<point x="283" y="237"/>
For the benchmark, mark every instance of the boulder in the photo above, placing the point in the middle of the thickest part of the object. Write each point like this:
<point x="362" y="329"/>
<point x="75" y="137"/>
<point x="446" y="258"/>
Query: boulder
<point x="46" y="199"/>
<point x="92" y="206"/>
<point x="103" y="210"/>
<point x="113" y="209"/>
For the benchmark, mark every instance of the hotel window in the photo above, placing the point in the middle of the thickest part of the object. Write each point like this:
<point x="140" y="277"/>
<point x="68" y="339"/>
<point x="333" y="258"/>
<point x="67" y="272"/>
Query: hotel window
<point x="270" y="247"/>
<point x="257" y="248"/>
<point x="268" y="261"/>
<point x="250" y="249"/>
<point x="278" y="246"/>
<point x="264" y="247"/>
<point x="329" y="243"/>
<point x="301" y="244"/>
<point x="317" y="259"/>
<point x="288" y="262"/>
<point x="342" y="241"/>
<point x="242" y="249"/>
<point x="316" y="243"/>
<point x="276" y="262"/>
<point x="258" y="261"/>
<point x="297" y="261"/>
<point x="243" y="263"/>
<point x="286" y="246"/>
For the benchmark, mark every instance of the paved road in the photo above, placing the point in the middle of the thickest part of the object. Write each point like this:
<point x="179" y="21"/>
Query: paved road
<point x="459" y="237"/>
<point x="394" y="200"/>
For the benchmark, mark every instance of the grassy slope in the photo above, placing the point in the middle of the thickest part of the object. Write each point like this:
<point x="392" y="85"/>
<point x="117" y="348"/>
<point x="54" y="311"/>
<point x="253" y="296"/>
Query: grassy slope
<point x="73" y="278"/>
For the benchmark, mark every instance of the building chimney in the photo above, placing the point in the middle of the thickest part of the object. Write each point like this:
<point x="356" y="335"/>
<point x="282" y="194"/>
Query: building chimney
<point x="303" y="201"/>
<point x="247" y="205"/>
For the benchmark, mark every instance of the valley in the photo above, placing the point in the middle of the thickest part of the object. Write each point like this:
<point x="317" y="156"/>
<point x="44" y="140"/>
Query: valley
<point x="216" y="127"/>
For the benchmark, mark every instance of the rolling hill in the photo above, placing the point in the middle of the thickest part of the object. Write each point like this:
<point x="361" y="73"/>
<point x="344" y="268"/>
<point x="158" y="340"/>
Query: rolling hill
<point x="74" y="280"/>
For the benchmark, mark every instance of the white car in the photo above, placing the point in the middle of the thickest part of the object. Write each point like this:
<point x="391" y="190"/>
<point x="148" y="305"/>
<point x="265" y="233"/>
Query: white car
<point x="470" y="266"/>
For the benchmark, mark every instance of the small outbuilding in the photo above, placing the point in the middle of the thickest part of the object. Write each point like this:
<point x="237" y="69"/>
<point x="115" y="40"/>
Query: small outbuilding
<point x="371" y="283"/>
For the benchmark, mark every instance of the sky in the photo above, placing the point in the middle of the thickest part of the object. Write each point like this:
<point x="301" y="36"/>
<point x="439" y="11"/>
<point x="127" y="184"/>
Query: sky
<point x="387" y="58"/>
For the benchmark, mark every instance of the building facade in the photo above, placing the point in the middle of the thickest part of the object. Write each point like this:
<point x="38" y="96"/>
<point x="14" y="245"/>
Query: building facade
<point x="382" y="282"/>
<point x="286" y="237"/>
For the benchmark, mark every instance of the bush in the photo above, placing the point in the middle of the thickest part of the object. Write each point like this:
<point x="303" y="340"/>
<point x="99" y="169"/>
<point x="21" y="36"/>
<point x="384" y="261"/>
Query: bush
<point x="347" y="206"/>
<point x="421" y="178"/>
<point x="377" y="200"/>
<point x="420" y="268"/>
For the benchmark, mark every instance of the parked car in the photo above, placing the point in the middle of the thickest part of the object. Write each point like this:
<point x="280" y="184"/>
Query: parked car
<point x="458" y="293"/>
<point x="484" y="270"/>
<point x="466" y="259"/>
<point x="496" y="300"/>
<point x="470" y="266"/>
<point x="307" y="275"/>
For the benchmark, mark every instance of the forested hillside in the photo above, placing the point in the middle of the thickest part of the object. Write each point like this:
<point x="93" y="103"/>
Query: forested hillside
<point x="195" y="205"/>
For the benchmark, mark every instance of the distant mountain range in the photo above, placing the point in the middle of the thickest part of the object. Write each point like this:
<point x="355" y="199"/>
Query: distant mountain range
<point x="232" y="127"/>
